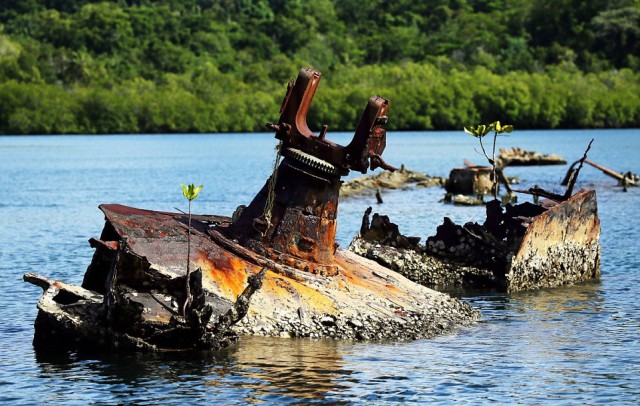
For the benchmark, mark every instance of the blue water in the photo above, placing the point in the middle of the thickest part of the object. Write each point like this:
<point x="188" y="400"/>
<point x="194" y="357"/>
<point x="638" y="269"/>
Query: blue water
<point x="569" y="345"/>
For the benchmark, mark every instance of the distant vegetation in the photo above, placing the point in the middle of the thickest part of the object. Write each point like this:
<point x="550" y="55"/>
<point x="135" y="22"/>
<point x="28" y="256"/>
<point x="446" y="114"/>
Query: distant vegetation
<point x="128" y="66"/>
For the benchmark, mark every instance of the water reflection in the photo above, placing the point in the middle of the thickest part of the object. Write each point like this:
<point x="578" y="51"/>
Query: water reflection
<point x="262" y="369"/>
<point x="586" y="298"/>
<point x="304" y="369"/>
<point x="540" y="343"/>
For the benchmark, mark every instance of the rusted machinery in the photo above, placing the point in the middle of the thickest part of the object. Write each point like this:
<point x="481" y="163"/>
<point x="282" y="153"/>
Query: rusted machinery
<point x="293" y="218"/>
<point x="279" y="254"/>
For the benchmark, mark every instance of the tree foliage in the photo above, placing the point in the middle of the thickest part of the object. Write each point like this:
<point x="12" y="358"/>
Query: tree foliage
<point x="86" y="66"/>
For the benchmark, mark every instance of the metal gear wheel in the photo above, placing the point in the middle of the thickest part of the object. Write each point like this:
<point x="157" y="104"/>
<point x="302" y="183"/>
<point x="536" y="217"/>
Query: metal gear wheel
<point x="311" y="160"/>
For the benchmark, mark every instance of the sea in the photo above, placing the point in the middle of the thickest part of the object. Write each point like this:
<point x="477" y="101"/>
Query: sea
<point x="571" y="345"/>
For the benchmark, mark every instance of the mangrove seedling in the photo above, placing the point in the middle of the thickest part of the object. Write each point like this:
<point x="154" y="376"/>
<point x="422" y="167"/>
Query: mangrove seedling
<point x="479" y="132"/>
<point x="190" y="192"/>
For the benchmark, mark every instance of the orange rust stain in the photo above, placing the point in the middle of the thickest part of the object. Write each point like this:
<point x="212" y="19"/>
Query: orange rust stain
<point x="313" y="298"/>
<point x="339" y="260"/>
<point x="285" y="288"/>
<point x="230" y="273"/>
<point x="276" y="285"/>
<point x="356" y="273"/>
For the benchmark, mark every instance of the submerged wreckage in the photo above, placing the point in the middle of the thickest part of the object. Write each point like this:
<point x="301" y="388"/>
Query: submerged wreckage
<point x="274" y="268"/>
<point x="524" y="246"/>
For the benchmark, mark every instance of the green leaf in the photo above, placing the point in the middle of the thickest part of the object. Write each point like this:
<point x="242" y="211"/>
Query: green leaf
<point x="507" y="128"/>
<point x="470" y="130"/>
<point x="478" y="131"/>
<point x="191" y="192"/>
<point x="197" y="190"/>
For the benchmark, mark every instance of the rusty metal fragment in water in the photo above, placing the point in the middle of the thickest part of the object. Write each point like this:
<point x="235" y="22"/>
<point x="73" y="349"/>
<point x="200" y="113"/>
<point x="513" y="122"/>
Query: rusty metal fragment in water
<point x="470" y="180"/>
<point x="474" y="180"/>
<point x="561" y="246"/>
<point x="524" y="247"/>
<point x="624" y="179"/>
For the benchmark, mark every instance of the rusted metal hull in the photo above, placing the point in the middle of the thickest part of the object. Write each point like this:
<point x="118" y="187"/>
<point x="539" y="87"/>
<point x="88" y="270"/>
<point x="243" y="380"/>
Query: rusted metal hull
<point x="362" y="300"/>
<point x="279" y="251"/>
<point x="561" y="246"/>
<point x="527" y="247"/>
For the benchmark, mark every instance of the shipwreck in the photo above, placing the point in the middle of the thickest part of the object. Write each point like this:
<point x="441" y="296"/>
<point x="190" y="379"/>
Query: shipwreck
<point x="521" y="247"/>
<point x="273" y="268"/>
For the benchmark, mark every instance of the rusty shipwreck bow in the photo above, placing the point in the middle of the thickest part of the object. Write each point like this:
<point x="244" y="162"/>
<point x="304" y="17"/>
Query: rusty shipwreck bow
<point x="312" y="288"/>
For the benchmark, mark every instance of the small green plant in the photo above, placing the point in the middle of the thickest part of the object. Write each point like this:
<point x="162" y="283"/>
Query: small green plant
<point x="190" y="192"/>
<point x="479" y="132"/>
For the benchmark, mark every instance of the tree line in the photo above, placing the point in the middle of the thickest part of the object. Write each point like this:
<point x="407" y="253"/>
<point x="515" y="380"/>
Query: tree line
<point x="129" y="66"/>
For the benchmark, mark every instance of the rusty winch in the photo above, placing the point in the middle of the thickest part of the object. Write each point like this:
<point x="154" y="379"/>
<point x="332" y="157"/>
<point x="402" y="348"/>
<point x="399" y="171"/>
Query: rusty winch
<point x="292" y="220"/>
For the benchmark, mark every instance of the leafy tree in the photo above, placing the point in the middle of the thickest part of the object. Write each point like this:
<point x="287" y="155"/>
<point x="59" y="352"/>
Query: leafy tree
<point x="87" y="66"/>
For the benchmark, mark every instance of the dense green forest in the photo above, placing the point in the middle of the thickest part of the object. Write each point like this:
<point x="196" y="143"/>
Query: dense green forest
<point x="129" y="66"/>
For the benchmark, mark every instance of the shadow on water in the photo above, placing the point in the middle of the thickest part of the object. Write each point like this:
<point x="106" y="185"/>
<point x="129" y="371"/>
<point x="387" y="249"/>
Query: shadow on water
<point x="262" y="368"/>
<point x="582" y="297"/>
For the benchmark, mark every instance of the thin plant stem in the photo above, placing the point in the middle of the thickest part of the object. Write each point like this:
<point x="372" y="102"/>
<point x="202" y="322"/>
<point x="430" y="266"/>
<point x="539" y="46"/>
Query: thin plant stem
<point x="493" y="166"/>
<point x="187" y="289"/>
<point x="483" y="150"/>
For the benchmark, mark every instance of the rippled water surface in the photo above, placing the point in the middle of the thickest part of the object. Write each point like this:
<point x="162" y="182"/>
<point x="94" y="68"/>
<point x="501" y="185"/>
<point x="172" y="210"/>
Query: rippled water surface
<point x="573" y="345"/>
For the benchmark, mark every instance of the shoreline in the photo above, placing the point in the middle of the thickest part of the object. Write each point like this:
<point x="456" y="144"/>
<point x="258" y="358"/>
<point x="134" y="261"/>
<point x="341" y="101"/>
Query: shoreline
<point x="267" y="133"/>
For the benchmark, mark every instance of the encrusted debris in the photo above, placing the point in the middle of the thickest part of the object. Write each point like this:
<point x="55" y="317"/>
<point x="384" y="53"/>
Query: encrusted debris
<point x="522" y="247"/>
<point x="469" y="180"/>
<point x="401" y="179"/>
<point x="144" y="317"/>
<point x="463" y="200"/>
<point x="519" y="157"/>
